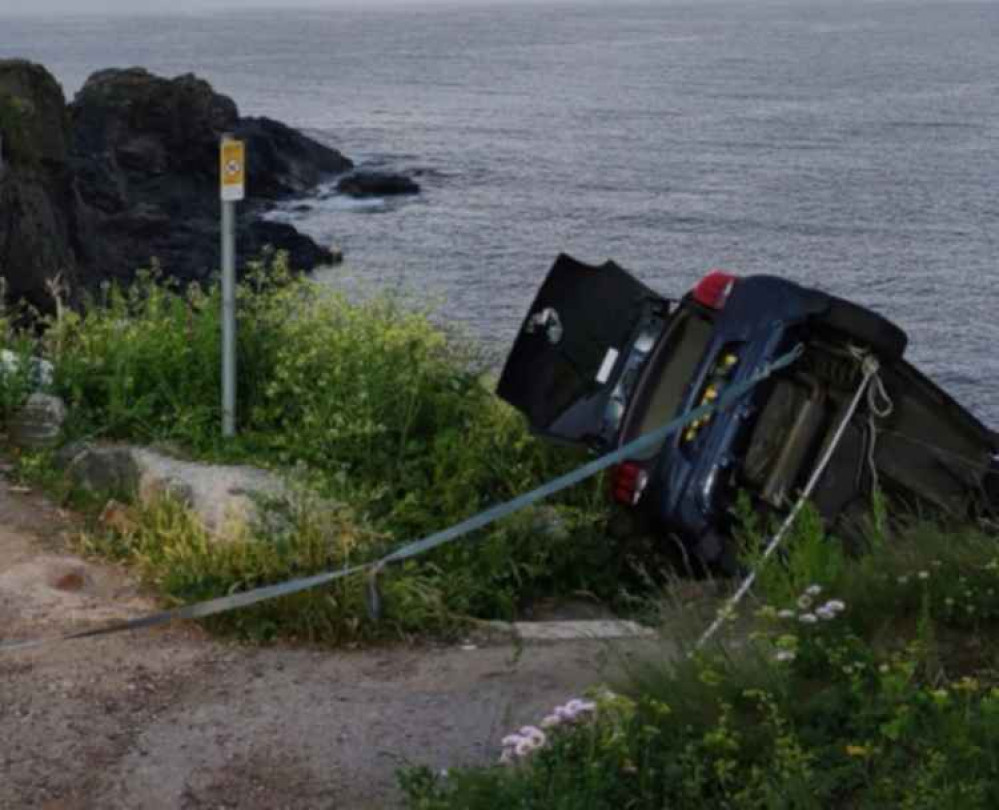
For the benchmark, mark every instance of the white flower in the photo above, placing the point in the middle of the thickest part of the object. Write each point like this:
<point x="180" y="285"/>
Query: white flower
<point x="807" y="618"/>
<point x="835" y="605"/>
<point x="903" y="580"/>
<point x="813" y="590"/>
<point x="578" y="706"/>
<point x="805" y="602"/>
<point x="825" y="613"/>
<point x="551" y="721"/>
<point x="525" y="747"/>
<point x="784" y="656"/>
<point x="506" y="758"/>
<point x="533" y="733"/>
<point x="924" y="575"/>
<point x="786" y="614"/>
<point x="511" y="740"/>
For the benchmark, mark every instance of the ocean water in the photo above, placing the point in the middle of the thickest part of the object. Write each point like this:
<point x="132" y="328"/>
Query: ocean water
<point x="853" y="146"/>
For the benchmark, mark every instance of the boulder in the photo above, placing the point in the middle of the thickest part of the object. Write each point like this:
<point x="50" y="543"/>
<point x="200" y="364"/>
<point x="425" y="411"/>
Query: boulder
<point x="376" y="184"/>
<point x="38" y="209"/>
<point x="224" y="497"/>
<point x="282" y="162"/>
<point x="38" y="423"/>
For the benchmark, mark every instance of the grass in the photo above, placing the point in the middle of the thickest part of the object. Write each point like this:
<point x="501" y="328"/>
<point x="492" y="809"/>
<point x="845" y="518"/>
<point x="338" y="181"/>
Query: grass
<point x="892" y="701"/>
<point x="369" y="405"/>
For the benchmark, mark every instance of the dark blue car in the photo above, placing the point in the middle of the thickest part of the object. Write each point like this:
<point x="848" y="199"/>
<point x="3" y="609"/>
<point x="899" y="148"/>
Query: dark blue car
<point x="602" y="359"/>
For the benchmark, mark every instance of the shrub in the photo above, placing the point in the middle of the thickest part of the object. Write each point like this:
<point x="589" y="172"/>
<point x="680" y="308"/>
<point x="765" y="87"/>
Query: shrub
<point x="370" y="402"/>
<point x="878" y="688"/>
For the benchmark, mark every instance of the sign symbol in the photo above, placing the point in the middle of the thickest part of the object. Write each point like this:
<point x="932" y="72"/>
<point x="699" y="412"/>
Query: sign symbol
<point x="232" y="169"/>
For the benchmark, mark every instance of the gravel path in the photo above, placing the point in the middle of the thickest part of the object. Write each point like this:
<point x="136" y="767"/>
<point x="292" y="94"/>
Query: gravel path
<point x="175" y="719"/>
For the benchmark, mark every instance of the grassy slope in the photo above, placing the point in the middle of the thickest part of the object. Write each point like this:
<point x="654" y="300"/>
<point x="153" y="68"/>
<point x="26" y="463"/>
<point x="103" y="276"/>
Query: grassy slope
<point x="368" y="404"/>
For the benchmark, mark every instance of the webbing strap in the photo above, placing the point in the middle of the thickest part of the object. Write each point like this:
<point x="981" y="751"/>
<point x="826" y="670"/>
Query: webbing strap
<point x="224" y="604"/>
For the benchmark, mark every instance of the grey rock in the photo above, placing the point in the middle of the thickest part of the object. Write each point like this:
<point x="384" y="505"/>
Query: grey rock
<point x="38" y="424"/>
<point x="376" y="184"/>
<point x="110" y="471"/>
<point x="226" y="498"/>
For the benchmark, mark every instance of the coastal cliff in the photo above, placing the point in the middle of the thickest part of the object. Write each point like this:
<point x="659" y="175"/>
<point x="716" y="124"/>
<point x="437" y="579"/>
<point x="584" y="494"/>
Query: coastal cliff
<point x="128" y="173"/>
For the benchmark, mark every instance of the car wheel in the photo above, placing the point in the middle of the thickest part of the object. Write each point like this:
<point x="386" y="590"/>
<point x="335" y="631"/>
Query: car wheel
<point x="865" y="327"/>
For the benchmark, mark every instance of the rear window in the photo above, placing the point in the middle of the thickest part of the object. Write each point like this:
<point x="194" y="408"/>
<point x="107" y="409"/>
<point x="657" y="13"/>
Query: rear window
<point x="670" y="373"/>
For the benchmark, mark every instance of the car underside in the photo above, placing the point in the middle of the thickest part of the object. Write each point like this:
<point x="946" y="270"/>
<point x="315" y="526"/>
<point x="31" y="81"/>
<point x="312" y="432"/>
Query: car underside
<point x="602" y="360"/>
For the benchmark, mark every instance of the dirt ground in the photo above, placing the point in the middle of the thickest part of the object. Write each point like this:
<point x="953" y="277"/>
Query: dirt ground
<point x="174" y="719"/>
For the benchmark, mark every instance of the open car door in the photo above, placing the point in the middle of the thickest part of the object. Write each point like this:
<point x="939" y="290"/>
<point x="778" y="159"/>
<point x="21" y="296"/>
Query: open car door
<point x="586" y="335"/>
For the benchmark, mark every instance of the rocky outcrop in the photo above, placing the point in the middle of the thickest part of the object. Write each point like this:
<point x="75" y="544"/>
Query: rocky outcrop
<point x="129" y="172"/>
<point x="145" y="152"/>
<point x="38" y="205"/>
<point x="376" y="184"/>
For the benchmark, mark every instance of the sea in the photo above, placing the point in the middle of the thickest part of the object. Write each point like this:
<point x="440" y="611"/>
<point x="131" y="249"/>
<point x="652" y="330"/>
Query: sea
<point x="851" y="145"/>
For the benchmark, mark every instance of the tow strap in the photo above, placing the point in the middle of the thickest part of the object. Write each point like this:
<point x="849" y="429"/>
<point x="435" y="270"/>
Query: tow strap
<point x="224" y="604"/>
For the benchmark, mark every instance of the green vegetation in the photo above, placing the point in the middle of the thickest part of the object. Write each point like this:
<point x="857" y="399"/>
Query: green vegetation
<point x="370" y="406"/>
<point x="864" y="683"/>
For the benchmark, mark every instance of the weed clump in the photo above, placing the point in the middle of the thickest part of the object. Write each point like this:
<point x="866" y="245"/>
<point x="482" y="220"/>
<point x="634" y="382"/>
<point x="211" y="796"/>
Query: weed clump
<point x="873" y="685"/>
<point x="370" y="405"/>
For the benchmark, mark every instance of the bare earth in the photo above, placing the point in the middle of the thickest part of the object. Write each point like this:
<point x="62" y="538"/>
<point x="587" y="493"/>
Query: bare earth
<point x="175" y="719"/>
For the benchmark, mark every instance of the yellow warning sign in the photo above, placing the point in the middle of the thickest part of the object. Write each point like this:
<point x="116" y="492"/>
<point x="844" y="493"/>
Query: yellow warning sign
<point x="232" y="155"/>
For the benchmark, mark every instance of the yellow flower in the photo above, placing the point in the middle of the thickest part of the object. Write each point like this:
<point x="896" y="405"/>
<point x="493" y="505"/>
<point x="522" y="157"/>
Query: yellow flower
<point x="857" y="751"/>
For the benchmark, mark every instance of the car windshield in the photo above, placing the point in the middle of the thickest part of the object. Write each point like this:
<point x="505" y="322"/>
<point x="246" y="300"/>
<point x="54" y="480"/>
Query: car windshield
<point x="670" y="371"/>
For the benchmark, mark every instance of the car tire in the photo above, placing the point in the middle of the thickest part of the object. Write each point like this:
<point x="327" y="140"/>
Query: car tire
<point x="865" y="327"/>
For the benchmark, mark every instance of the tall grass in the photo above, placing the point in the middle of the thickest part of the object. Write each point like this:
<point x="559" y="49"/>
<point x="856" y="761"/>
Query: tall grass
<point x="369" y="402"/>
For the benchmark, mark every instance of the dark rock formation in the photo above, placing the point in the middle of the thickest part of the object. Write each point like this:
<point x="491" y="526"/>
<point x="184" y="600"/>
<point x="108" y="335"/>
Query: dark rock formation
<point x="129" y="172"/>
<point x="376" y="184"/>
<point x="281" y="162"/>
<point x="38" y="205"/>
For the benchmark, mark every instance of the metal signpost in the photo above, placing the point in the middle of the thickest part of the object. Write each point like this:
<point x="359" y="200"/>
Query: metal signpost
<point x="232" y="172"/>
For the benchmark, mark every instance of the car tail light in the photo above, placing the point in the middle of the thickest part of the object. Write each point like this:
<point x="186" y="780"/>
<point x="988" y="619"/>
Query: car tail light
<point x="713" y="290"/>
<point x="628" y="482"/>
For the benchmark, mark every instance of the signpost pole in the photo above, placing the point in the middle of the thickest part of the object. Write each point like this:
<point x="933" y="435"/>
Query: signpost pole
<point x="232" y="170"/>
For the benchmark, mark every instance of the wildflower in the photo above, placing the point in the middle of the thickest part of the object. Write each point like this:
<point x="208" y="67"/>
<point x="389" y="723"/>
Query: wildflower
<point x="525" y="747"/>
<point x="784" y="656"/>
<point x="767" y="612"/>
<point x="967" y="684"/>
<point x="856" y="751"/>
<point x="510" y="740"/>
<point x="884" y="669"/>
<point x="786" y="614"/>
<point x="903" y="580"/>
<point x="533" y="733"/>
<point x="506" y="758"/>
<point x="940" y="696"/>
<point x="551" y="721"/>
<point x="578" y="706"/>
<point x="924" y="574"/>
<point x="825" y="613"/>
<point x="836" y="605"/>
<point x="807" y="618"/>
<point x="805" y="602"/>
<point x="813" y="590"/>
